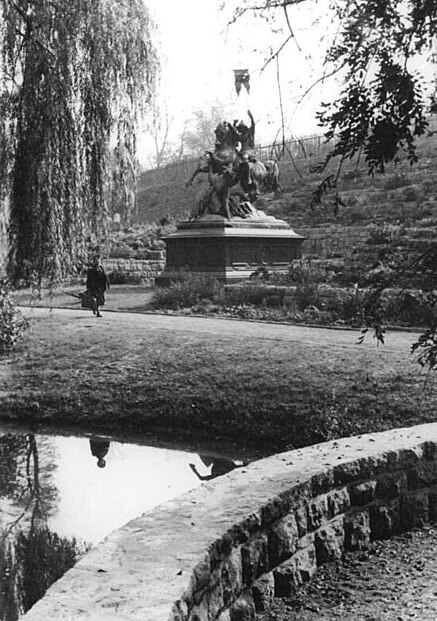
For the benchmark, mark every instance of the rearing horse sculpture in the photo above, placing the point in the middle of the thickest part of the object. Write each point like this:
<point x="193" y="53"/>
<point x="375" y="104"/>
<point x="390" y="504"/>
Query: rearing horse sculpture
<point x="225" y="152"/>
<point x="233" y="162"/>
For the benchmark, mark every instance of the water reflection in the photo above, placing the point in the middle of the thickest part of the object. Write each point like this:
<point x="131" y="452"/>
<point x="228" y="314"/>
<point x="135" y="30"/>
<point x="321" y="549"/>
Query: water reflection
<point x="99" y="449"/>
<point x="55" y="503"/>
<point x="218" y="466"/>
<point x="32" y="556"/>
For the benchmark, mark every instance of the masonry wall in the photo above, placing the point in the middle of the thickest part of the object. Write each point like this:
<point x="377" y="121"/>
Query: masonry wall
<point x="225" y="549"/>
<point x="144" y="270"/>
<point x="332" y="241"/>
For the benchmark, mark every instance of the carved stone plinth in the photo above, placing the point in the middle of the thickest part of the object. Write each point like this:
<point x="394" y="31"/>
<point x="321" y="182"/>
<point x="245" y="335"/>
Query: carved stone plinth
<point x="230" y="250"/>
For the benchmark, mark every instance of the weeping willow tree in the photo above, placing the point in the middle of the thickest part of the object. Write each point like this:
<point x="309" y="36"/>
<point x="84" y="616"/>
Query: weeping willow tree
<point x="75" y="78"/>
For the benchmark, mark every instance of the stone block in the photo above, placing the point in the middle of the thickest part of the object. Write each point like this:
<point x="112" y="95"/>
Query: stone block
<point x="411" y="456"/>
<point x="215" y="600"/>
<point x="329" y="542"/>
<point x="391" y="485"/>
<point x="423" y="475"/>
<point x="243" y="609"/>
<point x="306" y="562"/>
<point x="254" y="557"/>
<point x="200" y="612"/>
<point x="220" y="549"/>
<point x="317" y="512"/>
<point x="430" y="450"/>
<point x="414" y="509"/>
<point x="263" y="592"/>
<point x="231" y="578"/>
<point x="322" y="482"/>
<point x="282" y="540"/>
<point x="385" y="519"/>
<point x="362" y="494"/>
<point x="338" y="502"/>
<point x="287" y="577"/>
<point x="347" y="473"/>
<point x="384" y="462"/>
<point x="301" y="518"/>
<point x="241" y="532"/>
<point x="356" y="529"/>
<point x="200" y="580"/>
<point x="276" y="508"/>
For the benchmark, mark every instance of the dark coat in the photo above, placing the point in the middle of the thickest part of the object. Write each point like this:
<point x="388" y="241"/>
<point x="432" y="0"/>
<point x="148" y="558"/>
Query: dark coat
<point x="97" y="283"/>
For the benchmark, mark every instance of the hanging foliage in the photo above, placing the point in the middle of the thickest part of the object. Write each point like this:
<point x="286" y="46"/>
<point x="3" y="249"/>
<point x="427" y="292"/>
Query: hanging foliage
<point x="374" y="52"/>
<point x="74" y="77"/>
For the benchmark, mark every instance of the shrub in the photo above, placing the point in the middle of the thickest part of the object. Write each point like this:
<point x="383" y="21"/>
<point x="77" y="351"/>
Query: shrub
<point x="416" y="308"/>
<point x="244" y="295"/>
<point x="187" y="292"/>
<point x="301" y="272"/>
<point x="117" y="277"/>
<point x="120" y="250"/>
<point x="385" y="233"/>
<point x="307" y="294"/>
<point x="12" y="322"/>
<point x="409" y="194"/>
<point x="396" y="181"/>
<point x="351" y="305"/>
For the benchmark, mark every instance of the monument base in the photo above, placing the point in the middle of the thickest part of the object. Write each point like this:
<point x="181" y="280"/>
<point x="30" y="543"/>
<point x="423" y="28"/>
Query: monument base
<point x="229" y="250"/>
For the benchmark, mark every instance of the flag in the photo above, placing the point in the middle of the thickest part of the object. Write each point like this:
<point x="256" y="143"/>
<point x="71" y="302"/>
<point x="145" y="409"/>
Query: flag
<point x="242" y="78"/>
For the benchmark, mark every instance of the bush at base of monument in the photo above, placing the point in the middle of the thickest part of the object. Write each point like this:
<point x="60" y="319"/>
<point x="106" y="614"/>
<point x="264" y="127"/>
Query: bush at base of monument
<point x="188" y="291"/>
<point x="12" y="322"/>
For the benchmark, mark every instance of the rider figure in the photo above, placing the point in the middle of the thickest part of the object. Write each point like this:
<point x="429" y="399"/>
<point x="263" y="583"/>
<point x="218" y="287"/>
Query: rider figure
<point x="246" y="137"/>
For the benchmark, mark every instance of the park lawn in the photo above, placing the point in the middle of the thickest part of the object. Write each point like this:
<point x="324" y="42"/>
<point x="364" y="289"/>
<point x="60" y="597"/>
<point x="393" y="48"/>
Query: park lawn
<point x="107" y="375"/>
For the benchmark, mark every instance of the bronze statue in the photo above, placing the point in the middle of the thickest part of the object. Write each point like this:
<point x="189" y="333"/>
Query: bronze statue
<point x="236" y="177"/>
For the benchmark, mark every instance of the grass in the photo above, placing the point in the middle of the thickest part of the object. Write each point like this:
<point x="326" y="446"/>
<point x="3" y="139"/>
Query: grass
<point x="265" y="392"/>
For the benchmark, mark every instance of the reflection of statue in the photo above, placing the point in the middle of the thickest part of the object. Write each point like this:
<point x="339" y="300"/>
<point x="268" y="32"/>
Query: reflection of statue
<point x="235" y="175"/>
<point x="218" y="465"/>
<point x="99" y="449"/>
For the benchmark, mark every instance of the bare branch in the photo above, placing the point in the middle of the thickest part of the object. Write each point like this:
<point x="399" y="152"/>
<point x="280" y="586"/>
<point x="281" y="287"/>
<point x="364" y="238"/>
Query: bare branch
<point x="276" y="54"/>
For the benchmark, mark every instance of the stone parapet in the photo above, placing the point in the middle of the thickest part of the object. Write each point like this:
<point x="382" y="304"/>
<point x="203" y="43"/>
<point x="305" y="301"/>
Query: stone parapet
<point x="224" y="550"/>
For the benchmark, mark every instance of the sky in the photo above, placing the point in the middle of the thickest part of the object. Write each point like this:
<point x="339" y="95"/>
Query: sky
<point x="199" y="53"/>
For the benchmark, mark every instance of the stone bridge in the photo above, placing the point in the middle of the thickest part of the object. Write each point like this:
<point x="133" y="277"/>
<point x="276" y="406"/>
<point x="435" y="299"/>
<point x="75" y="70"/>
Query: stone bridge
<point x="223" y="550"/>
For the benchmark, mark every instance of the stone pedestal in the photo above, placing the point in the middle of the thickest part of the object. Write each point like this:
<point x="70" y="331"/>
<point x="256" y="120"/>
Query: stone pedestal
<point x="230" y="250"/>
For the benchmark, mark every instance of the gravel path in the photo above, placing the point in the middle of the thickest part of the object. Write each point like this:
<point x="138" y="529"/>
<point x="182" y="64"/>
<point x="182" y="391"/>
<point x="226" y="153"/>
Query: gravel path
<point x="394" y="580"/>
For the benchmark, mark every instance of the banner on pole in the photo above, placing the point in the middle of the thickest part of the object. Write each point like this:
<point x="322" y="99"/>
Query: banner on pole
<point x="242" y="78"/>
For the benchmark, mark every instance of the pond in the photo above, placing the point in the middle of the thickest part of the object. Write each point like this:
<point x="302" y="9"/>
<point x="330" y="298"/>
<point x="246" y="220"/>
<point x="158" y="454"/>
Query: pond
<point x="60" y="495"/>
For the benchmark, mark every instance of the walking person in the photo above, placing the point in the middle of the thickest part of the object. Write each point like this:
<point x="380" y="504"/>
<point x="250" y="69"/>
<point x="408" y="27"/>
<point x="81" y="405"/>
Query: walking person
<point x="97" y="284"/>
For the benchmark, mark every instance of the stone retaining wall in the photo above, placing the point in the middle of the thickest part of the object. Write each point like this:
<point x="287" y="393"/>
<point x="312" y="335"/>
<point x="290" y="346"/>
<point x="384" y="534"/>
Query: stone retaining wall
<point x="223" y="550"/>
<point x="145" y="270"/>
<point x="332" y="241"/>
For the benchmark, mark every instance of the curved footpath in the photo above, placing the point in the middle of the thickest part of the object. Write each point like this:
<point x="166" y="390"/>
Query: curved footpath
<point x="398" y="339"/>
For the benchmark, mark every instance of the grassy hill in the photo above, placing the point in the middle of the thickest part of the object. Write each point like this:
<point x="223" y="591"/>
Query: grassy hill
<point x="403" y="195"/>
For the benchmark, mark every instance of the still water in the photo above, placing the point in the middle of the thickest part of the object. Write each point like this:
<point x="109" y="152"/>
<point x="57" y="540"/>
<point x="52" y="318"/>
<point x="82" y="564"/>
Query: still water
<point x="60" y="495"/>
